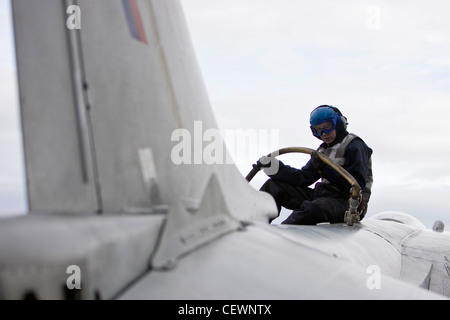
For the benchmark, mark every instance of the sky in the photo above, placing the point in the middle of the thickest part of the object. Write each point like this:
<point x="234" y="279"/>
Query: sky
<point x="12" y="172"/>
<point x="267" y="64"/>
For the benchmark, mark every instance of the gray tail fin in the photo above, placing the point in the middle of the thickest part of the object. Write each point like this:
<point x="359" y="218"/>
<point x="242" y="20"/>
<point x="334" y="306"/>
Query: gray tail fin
<point x="111" y="100"/>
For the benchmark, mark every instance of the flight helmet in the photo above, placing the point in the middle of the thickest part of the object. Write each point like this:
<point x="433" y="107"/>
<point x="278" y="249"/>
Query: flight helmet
<point x="326" y="118"/>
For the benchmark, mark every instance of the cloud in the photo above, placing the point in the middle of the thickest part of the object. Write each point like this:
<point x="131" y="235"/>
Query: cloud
<point x="12" y="176"/>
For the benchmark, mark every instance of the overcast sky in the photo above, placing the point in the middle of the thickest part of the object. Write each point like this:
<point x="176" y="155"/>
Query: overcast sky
<point x="267" y="64"/>
<point x="12" y="185"/>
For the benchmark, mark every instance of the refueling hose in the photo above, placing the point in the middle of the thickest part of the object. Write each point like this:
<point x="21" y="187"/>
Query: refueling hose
<point x="351" y="216"/>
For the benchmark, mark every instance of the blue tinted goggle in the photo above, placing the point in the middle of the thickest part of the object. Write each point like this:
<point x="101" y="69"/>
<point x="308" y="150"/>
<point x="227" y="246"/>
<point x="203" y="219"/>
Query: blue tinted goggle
<point x="324" y="127"/>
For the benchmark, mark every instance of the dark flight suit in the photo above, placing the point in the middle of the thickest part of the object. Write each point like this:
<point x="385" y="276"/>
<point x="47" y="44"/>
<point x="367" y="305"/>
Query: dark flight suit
<point x="328" y="201"/>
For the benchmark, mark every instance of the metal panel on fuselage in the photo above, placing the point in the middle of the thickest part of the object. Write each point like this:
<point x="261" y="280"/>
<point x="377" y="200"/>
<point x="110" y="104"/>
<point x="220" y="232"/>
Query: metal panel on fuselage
<point x="48" y="111"/>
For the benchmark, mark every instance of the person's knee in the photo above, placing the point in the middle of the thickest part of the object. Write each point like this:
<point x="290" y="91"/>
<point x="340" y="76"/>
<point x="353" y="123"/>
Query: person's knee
<point x="274" y="190"/>
<point x="269" y="186"/>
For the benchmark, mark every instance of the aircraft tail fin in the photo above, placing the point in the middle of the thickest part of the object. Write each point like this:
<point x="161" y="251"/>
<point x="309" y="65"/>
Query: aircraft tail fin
<point x="111" y="99"/>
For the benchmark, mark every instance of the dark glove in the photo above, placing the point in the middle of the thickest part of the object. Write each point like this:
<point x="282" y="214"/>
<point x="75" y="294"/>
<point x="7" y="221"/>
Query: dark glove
<point x="317" y="162"/>
<point x="270" y="165"/>
<point x="265" y="162"/>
